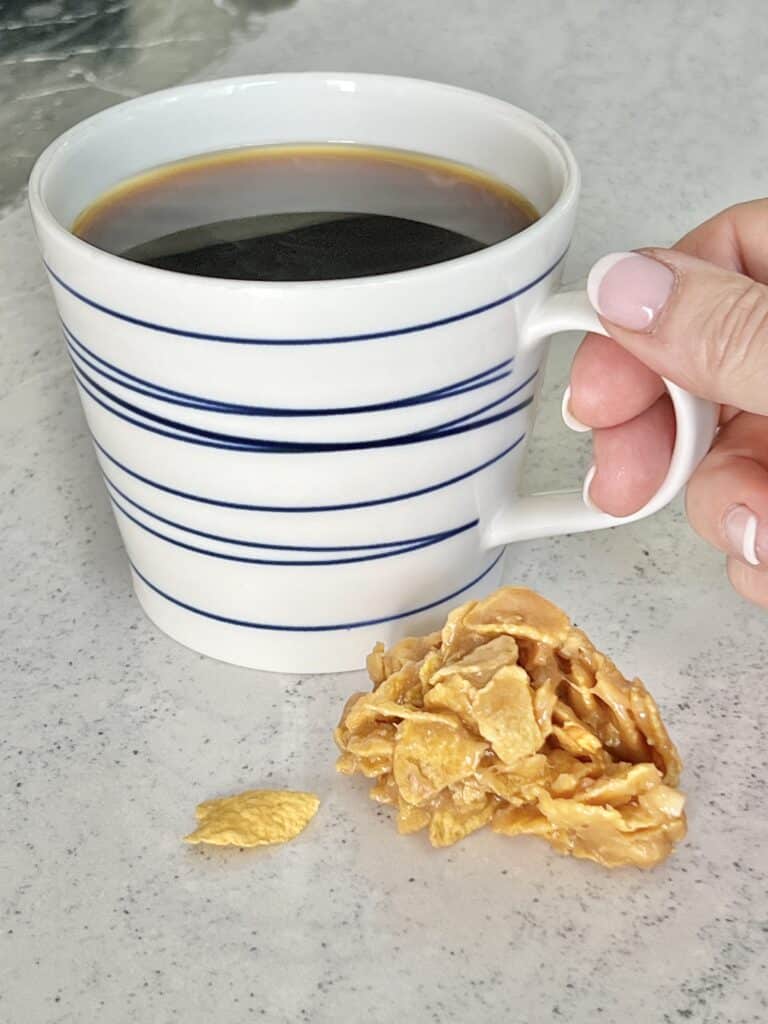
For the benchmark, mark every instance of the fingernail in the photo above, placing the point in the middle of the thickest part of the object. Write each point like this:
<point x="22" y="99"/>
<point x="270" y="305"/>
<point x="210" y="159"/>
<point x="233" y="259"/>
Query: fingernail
<point x="740" y="529"/>
<point x="568" y="418"/>
<point x="585" y="490"/>
<point x="629" y="289"/>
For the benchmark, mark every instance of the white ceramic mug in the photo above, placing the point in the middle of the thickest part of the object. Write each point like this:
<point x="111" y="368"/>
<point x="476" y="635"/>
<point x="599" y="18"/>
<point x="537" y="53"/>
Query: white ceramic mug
<point x="301" y="469"/>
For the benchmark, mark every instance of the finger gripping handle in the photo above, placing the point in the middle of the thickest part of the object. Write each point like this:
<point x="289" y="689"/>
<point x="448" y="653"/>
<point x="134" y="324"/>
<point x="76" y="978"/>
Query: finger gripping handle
<point x="544" y="515"/>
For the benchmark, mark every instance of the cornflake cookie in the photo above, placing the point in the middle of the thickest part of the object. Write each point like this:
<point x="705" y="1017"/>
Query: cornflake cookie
<point x="509" y="717"/>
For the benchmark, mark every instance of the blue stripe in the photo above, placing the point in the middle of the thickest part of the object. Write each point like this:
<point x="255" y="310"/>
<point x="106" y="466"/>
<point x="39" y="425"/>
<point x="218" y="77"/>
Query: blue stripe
<point x="408" y="542"/>
<point x="162" y="394"/>
<point x="269" y="444"/>
<point x="318" y="629"/>
<point x="291" y="562"/>
<point x="295" y="448"/>
<point x="348" y="506"/>
<point x="470" y="416"/>
<point x="333" y="340"/>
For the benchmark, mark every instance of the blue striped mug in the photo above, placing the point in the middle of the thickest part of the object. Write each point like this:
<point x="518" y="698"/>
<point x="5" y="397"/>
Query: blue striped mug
<point x="301" y="469"/>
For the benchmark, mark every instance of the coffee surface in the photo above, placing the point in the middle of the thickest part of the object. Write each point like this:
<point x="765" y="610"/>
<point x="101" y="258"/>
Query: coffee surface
<point x="303" y="213"/>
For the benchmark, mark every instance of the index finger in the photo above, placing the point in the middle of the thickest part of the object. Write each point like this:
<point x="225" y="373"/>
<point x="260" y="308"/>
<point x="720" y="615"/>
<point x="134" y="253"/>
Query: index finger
<point x="733" y="239"/>
<point x="609" y="385"/>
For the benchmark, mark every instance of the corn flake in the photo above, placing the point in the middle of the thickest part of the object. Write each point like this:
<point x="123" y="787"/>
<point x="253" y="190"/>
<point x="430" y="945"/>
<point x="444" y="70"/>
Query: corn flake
<point x="258" y="817"/>
<point x="451" y="822"/>
<point x="429" y="756"/>
<point x="505" y="717"/>
<point x="454" y="694"/>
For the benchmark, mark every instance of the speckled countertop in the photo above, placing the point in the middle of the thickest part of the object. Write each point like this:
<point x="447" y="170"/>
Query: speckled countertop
<point x="110" y="733"/>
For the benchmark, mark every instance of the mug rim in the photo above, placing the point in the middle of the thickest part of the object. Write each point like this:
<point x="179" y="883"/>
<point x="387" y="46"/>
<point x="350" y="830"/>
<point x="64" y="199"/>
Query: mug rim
<point x="507" y="247"/>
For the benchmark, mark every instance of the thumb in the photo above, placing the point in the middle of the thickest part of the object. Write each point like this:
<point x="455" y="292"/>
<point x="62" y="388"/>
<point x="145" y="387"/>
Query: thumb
<point x="703" y="327"/>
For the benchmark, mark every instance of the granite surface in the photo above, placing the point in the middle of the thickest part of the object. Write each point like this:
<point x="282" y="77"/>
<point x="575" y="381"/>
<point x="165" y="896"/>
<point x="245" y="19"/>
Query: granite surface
<point x="110" y="733"/>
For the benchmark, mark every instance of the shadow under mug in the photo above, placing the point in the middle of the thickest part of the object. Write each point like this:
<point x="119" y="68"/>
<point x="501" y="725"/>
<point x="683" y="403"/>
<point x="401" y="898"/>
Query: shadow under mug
<point x="301" y="469"/>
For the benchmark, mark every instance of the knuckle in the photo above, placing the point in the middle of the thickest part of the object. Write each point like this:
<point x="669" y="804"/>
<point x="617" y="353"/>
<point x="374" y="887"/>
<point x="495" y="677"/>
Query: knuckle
<point x="737" y="338"/>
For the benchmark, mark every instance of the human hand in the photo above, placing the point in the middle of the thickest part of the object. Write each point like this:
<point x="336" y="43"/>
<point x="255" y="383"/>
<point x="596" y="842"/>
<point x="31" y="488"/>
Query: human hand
<point x="698" y="315"/>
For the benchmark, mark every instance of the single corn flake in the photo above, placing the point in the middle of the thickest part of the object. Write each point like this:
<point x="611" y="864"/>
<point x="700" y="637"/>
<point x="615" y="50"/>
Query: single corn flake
<point x="481" y="664"/>
<point x="451" y="822"/>
<point x="504" y="713"/>
<point x="411" y="819"/>
<point x="429" y="756"/>
<point x="454" y="694"/>
<point x="258" y="817"/>
<point x="521" y="613"/>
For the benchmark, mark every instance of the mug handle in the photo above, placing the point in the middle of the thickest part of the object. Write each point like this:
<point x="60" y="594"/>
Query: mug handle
<point x="547" y="514"/>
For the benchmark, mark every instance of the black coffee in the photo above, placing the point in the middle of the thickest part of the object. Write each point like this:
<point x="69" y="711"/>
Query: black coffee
<point x="303" y="213"/>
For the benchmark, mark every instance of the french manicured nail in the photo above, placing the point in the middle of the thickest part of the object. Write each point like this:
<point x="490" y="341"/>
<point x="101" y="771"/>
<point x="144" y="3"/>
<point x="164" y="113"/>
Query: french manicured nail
<point x="585" y="492"/>
<point x="630" y="289"/>
<point x="740" y="528"/>
<point x="568" y="418"/>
